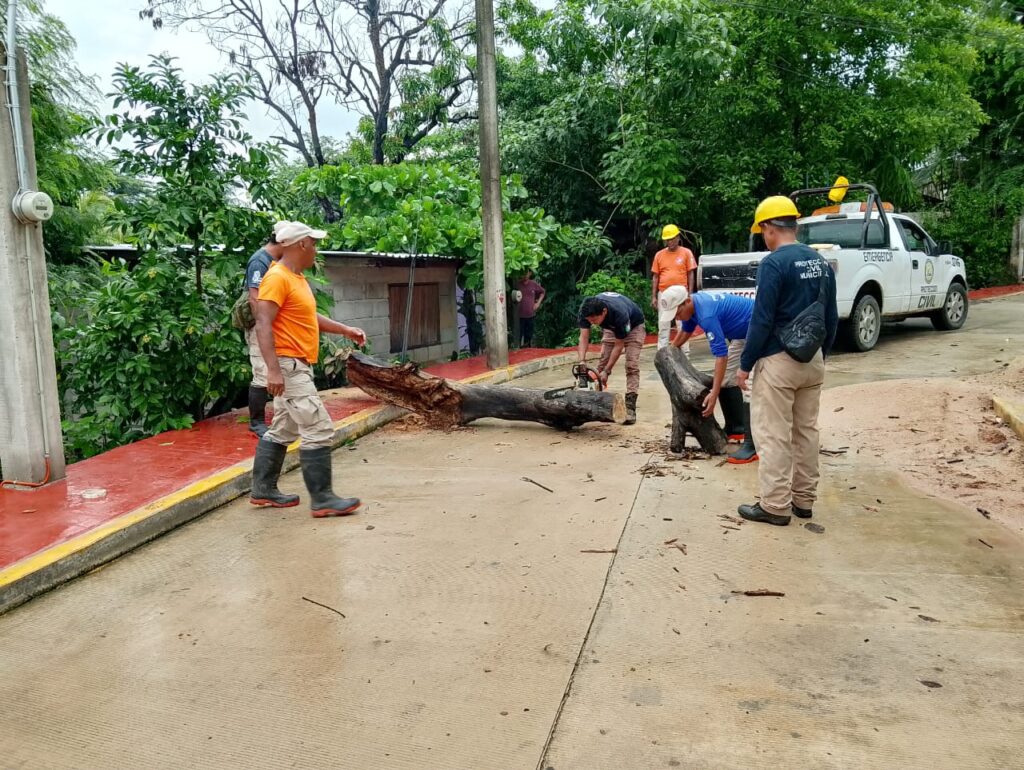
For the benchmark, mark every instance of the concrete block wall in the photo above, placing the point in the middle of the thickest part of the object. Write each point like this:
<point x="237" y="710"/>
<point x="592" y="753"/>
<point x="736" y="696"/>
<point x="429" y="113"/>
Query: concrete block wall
<point x="361" y="298"/>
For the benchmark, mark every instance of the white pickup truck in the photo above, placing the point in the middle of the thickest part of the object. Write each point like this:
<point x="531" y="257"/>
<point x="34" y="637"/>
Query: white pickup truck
<point x="887" y="267"/>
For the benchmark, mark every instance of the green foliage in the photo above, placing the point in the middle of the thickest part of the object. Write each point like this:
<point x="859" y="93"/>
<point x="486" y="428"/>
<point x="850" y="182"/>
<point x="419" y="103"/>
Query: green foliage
<point x="140" y="352"/>
<point x="986" y="178"/>
<point x="979" y="225"/>
<point x="629" y="284"/>
<point x="432" y="209"/>
<point x="686" y="111"/>
<point x="67" y="169"/>
<point x="150" y="348"/>
<point x="189" y="138"/>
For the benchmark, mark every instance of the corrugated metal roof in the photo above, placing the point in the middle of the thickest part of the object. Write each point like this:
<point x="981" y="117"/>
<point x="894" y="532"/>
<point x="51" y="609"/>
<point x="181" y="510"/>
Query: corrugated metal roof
<point x="386" y="255"/>
<point x="127" y="248"/>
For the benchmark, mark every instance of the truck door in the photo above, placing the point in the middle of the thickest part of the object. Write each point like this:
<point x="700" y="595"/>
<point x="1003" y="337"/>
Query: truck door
<point x="883" y="248"/>
<point x="924" y="288"/>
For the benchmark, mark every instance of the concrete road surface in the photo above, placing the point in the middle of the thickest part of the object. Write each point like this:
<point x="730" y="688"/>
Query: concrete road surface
<point x="458" y="622"/>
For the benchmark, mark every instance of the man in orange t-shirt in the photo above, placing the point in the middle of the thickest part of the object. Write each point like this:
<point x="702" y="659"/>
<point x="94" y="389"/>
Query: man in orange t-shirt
<point x="288" y="329"/>
<point x="674" y="265"/>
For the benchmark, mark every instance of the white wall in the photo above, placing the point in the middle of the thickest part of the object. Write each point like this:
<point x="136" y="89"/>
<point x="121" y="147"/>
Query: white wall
<point x="361" y="299"/>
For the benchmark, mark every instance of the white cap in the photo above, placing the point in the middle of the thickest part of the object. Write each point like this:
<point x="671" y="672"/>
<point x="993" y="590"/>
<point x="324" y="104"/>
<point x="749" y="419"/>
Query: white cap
<point x="288" y="233"/>
<point x="669" y="302"/>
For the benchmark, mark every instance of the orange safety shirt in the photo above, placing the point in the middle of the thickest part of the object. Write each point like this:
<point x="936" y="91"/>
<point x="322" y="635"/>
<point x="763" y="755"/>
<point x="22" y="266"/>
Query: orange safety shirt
<point x="673" y="267"/>
<point x="296" y="330"/>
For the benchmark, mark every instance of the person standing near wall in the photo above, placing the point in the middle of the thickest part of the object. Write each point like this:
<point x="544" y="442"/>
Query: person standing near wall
<point x="288" y="329"/>
<point x="786" y="392"/>
<point x="674" y="265"/>
<point x="255" y="270"/>
<point x="532" y="296"/>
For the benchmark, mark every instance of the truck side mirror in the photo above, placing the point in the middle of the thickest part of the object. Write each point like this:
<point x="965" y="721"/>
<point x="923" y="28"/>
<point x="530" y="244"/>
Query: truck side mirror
<point x="944" y="247"/>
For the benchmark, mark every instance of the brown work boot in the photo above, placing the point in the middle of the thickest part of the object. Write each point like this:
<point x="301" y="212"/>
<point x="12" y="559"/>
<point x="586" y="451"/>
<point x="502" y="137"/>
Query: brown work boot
<point x="630" y="409"/>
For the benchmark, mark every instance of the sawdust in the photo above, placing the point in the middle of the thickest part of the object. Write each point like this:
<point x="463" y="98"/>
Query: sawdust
<point x="410" y="423"/>
<point x="941" y="435"/>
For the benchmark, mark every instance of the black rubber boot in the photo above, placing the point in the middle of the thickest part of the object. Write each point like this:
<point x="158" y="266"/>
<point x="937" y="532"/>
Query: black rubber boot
<point x="630" y="409"/>
<point x="316" y="471"/>
<point x="748" y="452"/>
<point x="802" y="513"/>
<point x="258" y="410"/>
<point x="731" y="400"/>
<point x="756" y="513"/>
<point x="266" y="469"/>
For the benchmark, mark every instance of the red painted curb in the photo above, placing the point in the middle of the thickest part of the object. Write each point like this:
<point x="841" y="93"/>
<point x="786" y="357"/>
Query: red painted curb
<point x="131" y="476"/>
<point x="996" y="291"/>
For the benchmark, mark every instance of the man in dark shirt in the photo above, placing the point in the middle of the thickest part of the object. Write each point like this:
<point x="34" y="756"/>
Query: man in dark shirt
<point x="623" y="323"/>
<point x="532" y="296"/>
<point x="257" y="267"/>
<point x="786" y="393"/>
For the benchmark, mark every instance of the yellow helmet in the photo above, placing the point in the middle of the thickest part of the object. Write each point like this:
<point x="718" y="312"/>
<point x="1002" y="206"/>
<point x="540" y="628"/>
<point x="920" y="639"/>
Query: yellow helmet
<point x="775" y="207"/>
<point x="669" y="232"/>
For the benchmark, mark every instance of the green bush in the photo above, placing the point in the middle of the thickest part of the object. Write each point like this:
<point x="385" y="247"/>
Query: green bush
<point x="142" y="352"/>
<point x="626" y="282"/>
<point x="979" y="224"/>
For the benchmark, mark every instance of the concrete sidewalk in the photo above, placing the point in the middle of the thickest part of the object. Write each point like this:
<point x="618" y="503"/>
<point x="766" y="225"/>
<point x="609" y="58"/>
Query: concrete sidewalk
<point x="116" y="501"/>
<point x="470" y="618"/>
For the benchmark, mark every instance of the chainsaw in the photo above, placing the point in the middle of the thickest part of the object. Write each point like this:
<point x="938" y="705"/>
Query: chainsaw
<point x="586" y="379"/>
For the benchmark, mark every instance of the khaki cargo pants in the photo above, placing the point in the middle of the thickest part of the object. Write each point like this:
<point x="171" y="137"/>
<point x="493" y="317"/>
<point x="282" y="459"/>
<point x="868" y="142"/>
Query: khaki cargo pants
<point x="784" y="412"/>
<point x="634" y="344"/>
<point x="259" y="366"/>
<point x="299" y="412"/>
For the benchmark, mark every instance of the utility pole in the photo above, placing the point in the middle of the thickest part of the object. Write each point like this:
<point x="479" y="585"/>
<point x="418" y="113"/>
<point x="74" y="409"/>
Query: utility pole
<point x="495" y="318"/>
<point x="31" y="444"/>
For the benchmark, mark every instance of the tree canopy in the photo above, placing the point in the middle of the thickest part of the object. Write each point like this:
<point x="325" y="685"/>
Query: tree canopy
<point x="688" y="111"/>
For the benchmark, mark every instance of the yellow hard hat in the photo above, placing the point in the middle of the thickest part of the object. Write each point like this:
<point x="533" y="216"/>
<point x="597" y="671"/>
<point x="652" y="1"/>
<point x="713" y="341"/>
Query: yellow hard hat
<point x="668" y="232"/>
<point x="775" y="207"/>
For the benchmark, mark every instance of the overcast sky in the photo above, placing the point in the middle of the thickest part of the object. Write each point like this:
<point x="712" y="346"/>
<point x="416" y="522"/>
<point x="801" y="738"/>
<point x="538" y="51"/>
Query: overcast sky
<point x="110" y="32"/>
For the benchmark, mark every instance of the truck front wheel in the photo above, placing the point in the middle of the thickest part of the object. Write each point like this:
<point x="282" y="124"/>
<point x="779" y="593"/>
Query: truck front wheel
<point x="953" y="312"/>
<point x="865" y="324"/>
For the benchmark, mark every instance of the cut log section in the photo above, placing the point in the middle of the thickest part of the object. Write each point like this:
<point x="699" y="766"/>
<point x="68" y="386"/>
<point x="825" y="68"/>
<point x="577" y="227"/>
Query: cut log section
<point x="687" y="388"/>
<point x="446" y="404"/>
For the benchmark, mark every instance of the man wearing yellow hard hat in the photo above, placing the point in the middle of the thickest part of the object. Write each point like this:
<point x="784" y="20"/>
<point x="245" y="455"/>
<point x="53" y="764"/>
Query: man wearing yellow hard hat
<point x="791" y="330"/>
<point x="674" y="265"/>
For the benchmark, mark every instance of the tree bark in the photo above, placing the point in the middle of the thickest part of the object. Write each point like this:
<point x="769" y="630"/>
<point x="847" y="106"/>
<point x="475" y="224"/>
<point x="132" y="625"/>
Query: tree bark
<point x="447" y="404"/>
<point x="687" y="388"/>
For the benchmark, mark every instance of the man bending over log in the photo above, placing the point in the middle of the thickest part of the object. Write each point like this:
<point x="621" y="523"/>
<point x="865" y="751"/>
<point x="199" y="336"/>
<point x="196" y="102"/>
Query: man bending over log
<point x="724" y="319"/>
<point x="623" y="323"/>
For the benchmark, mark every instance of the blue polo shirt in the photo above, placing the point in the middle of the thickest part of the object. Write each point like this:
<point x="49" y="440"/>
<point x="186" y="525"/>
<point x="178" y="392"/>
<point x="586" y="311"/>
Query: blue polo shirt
<point x="723" y="317"/>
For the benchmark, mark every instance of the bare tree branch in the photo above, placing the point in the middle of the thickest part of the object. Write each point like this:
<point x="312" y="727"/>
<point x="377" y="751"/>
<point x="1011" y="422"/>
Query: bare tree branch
<point x="360" y="53"/>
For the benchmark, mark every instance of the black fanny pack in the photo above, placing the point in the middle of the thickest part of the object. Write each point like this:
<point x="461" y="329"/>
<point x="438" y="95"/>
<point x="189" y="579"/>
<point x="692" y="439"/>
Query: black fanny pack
<point x="804" y="336"/>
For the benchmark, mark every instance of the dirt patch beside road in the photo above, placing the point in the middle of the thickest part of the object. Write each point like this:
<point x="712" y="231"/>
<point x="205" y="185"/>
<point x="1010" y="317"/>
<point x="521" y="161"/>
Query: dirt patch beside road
<point x="940" y="434"/>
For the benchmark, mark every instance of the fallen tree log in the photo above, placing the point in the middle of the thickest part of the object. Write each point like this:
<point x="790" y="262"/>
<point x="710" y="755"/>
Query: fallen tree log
<point x="687" y="388"/>
<point x="445" y="404"/>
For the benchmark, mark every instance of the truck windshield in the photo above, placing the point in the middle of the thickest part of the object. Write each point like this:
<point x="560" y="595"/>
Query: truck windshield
<point x="845" y="233"/>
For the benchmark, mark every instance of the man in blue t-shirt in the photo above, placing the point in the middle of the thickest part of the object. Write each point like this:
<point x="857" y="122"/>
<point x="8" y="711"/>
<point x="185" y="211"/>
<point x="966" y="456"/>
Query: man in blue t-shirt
<point x="623" y="323"/>
<point x="257" y="267"/>
<point x="724" y="319"/>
